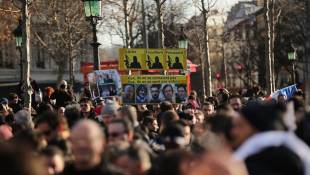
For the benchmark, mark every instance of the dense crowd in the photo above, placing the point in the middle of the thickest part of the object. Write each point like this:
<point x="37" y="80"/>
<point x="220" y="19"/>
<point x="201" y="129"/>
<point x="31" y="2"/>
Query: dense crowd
<point x="227" y="134"/>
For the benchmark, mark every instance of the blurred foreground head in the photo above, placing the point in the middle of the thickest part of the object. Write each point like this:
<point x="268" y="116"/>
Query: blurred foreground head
<point x="257" y="117"/>
<point x="88" y="143"/>
<point x="15" y="161"/>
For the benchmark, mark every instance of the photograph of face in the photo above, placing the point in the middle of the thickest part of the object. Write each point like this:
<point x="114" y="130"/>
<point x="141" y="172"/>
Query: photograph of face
<point x="181" y="93"/>
<point x="168" y="92"/>
<point x="129" y="94"/>
<point x="154" y="93"/>
<point x="141" y="94"/>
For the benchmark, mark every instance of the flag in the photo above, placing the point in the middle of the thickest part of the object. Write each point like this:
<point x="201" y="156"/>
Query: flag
<point x="287" y="91"/>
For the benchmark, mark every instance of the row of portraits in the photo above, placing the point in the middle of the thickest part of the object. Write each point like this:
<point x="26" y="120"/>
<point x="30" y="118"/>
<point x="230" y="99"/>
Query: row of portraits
<point x="154" y="93"/>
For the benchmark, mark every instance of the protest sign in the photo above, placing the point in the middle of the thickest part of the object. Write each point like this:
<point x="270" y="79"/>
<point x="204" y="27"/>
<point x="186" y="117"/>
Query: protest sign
<point x="155" y="59"/>
<point x="176" y="59"/>
<point x="132" y="59"/>
<point x="105" y="83"/>
<point x="153" y="89"/>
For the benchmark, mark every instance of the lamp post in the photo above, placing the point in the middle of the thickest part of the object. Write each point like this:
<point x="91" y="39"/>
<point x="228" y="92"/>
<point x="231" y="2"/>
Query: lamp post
<point x="18" y="34"/>
<point x="92" y="9"/>
<point x="183" y="40"/>
<point x="292" y="57"/>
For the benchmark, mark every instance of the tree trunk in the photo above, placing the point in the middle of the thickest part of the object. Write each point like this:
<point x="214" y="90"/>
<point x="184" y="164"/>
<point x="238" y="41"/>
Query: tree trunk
<point x="268" y="45"/>
<point x="27" y="89"/>
<point x="126" y="22"/>
<point x="272" y="36"/>
<point x="307" y="56"/>
<point x="61" y="72"/>
<point x="144" y="32"/>
<point x="206" y="50"/>
<point x="160" y="25"/>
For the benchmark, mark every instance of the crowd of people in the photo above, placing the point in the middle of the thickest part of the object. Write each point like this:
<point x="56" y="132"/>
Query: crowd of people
<point x="227" y="134"/>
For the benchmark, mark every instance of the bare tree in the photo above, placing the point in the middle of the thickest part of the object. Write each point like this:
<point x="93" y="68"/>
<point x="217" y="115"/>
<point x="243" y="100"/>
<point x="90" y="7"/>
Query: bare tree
<point x="205" y="7"/>
<point x="160" y="23"/>
<point x="65" y="31"/>
<point x="123" y="18"/>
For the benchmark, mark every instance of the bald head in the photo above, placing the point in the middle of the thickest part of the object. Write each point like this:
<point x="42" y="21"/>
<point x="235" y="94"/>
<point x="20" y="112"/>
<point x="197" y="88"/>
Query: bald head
<point x="88" y="142"/>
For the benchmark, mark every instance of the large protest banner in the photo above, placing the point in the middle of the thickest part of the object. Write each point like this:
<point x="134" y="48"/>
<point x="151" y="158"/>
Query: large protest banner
<point x="153" y="89"/>
<point x="131" y="59"/>
<point x="105" y="83"/>
<point x="152" y="59"/>
<point x="176" y="59"/>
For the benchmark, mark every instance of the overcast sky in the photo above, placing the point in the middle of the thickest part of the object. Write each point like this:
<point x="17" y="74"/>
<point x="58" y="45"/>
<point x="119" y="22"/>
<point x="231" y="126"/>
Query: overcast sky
<point x="107" y="41"/>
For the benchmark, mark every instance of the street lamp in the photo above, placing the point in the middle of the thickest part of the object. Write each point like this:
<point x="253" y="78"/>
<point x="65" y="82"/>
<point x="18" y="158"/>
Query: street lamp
<point x="18" y="34"/>
<point x="183" y="40"/>
<point x="92" y="9"/>
<point x="292" y="57"/>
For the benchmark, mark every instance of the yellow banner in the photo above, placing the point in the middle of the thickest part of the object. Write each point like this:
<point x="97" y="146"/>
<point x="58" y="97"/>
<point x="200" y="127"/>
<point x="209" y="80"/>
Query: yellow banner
<point x="176" y="59"/>
<point x="154" y="79"/>
<point x="132" y="59"/>
<point x="152" y="59"/>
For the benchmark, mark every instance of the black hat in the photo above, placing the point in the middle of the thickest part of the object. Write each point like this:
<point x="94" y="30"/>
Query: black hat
<point x="264" y="116"/>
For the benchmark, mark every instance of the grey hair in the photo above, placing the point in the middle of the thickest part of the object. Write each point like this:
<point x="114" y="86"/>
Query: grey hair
<point x="23" y="118"/>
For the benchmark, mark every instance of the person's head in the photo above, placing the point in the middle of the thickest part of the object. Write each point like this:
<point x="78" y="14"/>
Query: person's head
<point x="130" y="113"/>
<point x="63" y="85"/>
<point x="155" y="91"/>
<point x="88" y="142"/>
<point x="135" y="160"/>
<point x="235" y="102"/>
<point x="208" y="109"/>
<point x="54" y="160"/>
<point x="51" y="126"/>
<point x="187" y="130"/>
<point x="15" y="160"/>
<point x="151" y="123"/>
<point x="221" y="125"/>
<point x="173" y="136"/>
<point x="5" y="133"/>
<point x="177" y="60"/>
<point x="141" y="91"/>
<point x="222" y="96"/>
<point x="181" y="90"/>
<point x="167" y="118"/>
<point x="120" y="130"/>
<point x="156" y="59"/>
<point x="135" y="59"/>
<point x="129" y="91"/>
<point x="109" y="111"/>
<point x="72" y="114"/>
<point x="23" y="120"/>
<point x="61" y="111"/>
<point x="168" y="92"/>
<point x="86" y="105"/>
<point x="256" y="117"/>
<point x="165" y="106"/>
<point x="48" y="91"/>
<point x="13" y="98"/>
<point x="200" y="118"/>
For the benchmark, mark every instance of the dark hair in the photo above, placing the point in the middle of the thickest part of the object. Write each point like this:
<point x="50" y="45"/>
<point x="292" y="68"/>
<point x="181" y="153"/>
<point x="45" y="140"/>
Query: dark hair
<point x="207" y="104"/>
<point x="51" y="118"/>
<point x="170" y="162"/>
<point x="168" y="117"/>
<point x="220" y="124"/>
<point x="181" y="86"/>
<point x="166" y="106"/>
<point x="158" y="86"/>
<point x="140" y="87"/>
